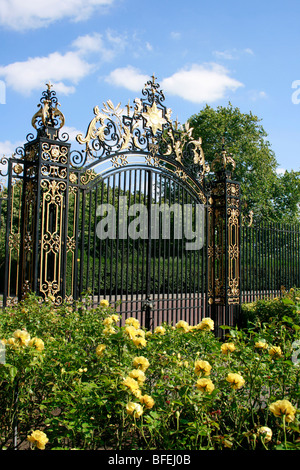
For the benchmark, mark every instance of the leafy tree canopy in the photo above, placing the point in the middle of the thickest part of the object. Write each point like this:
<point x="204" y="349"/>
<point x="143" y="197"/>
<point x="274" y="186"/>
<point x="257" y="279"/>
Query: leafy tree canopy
<point x="270" y="196"/>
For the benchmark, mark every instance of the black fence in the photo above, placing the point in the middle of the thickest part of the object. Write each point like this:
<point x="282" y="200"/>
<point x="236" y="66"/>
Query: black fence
<point x="270" y="260"/>
<point x="51" y="239"/>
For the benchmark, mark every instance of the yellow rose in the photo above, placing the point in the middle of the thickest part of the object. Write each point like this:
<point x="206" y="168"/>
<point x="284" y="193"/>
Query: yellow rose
<point x="139" y="342"/>
<point x="130" y="331"/>
<point x="109" y="330"/>
<point x="227" y="348"/>
<point x="39" y="439"/>
<point x="138" y="375"/>
<point x="104" y="303"/>
<point x="206" y="324"/>
<point x="266" y="433"/>
<point x="115" y="318"/>
<point x="236" y="380"/>
<point x="275" y="352"/>
<point x="141" y="363"/>
<point x="202" y="367"/>
<point x="160" y="330"/>
<point x="283" y="408"/>
<point x="22" y="336"/>
<point x="134" y="409"/>
<point x="37" y="343"/>
<point x="205" y="385"/>
<point x="131" y="383"/>
<point x="12" y="342"/>
<point x="183" y="325"/>
<point x="100" y="349"/>
<point x="107" y="321"/>
<point x="261" y="345"/>
<point x="147" y="401"/>
<point x="139" y="332"/>
<point x="133" y="322"/>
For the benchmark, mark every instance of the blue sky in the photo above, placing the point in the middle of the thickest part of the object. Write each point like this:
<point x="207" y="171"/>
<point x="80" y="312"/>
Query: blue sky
<point x="201" y="52"/>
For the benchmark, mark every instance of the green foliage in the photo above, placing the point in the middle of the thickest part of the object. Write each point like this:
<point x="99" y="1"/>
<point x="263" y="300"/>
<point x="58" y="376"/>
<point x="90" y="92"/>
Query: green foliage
<point x="270" y="196"/>
<point x="75" y="392"/>
<point x="280" y="309"/>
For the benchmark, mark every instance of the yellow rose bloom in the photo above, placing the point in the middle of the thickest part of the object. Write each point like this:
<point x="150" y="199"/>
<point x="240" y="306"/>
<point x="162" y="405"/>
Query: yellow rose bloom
<point x="134" y="409"/>
<point x="139" y="342"/>
<point x="109" y="330"/>
<point x="104" y="303"/>
<point x="37" y="343"/>
<point x="22" y="336"/>
<point x="133" y="322"/>
<point x="141" y="363"/>
<point x="160" y="330"/>
<point x="115" y="318"/>
<point x="39" y="439"/>
<point x="283" y="408"/>
<point x="100" y="349"/>
<point x="130" y="331"/>
<point x="183" y="325"/>
<point x="107" y="321"/>
<point x="206" y="324"/>
<point x="12" y="342"/>
<point x="202" y="367"/>
<point x="236" y="380"/>
<point x="227" y="348"/>
<point x="138" y="375"/>
<point x="147" y="401"/>
<point x="205" y="385"/>
<point x="139" y="332"/>
<point x="266" y="433"/>
<point x="275" y="352"/>
<point x="131" y="383"/>
<point x="137" y="393"/>
<point x="261" y="345"/>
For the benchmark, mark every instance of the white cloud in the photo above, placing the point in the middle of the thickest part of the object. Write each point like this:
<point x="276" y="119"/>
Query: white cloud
<point x="96" y="43"/>
<point x="33" y="73"/>
<point x="33" y="14"/>
<point x="63" y="70"/>
<point x="201" y="83"/>
<point x="232" y="54"/>
<point x="128" y="77"/>
<point x="7" y="148"/>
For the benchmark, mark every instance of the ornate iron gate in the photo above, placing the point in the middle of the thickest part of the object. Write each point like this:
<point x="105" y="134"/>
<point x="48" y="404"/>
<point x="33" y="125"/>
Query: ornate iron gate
<point x="136" y="217"/>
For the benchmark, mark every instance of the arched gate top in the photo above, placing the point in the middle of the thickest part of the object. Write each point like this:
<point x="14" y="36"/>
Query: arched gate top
<point x="145" y="127"/>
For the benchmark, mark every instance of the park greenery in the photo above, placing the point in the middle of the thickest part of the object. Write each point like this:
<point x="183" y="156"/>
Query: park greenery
<point x="75" y="377"/>
<point x="272" y="196"/>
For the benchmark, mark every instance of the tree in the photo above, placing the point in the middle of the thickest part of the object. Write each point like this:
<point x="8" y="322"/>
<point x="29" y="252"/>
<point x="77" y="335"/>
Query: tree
<point x="270" y="196"/>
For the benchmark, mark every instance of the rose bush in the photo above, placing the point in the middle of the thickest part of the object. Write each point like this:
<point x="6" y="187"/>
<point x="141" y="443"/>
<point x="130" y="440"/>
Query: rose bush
<point x="73" y="378"/>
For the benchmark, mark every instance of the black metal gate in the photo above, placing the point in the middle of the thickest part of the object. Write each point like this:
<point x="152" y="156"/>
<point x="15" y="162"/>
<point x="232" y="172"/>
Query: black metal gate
<point x="132" y="218"/>
<point x="142" y="242"/>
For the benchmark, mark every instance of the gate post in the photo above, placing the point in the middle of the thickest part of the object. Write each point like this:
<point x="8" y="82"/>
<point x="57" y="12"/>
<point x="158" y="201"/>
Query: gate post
<point x="224" y="242"/>
<point x="44" y="205"/>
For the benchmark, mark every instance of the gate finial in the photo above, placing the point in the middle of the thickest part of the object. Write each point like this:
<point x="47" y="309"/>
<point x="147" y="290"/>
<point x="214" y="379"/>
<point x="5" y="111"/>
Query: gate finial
<point x="48" y="115"/>
<point x="223" y="161"/>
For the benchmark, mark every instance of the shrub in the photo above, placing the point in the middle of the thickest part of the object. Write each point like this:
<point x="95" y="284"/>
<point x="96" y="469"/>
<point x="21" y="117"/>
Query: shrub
<point x="268" y="310"/>
<point x="75" y="379"/>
